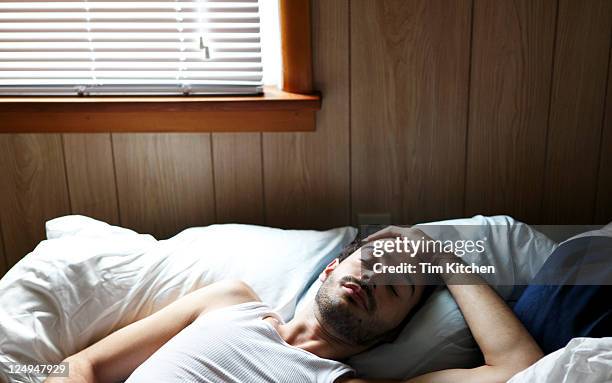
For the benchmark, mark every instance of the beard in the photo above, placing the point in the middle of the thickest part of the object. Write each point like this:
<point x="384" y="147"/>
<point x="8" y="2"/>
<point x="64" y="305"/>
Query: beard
<point x="341" y="318"/>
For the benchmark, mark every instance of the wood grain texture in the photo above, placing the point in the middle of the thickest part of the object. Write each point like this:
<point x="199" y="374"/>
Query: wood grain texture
<point x="306" y="175"/>
<point x="409" y="86"/>
<point x="509" y="98"/>
<point x="577" y="109"/>
<point x="160" y="121"/>
<point x="405" y="65"/>
<point x="91" y="176"/>
<point x="296" y="45"/>
<point x="603" y="207"/>
<point x="238" y="178"/>
<point x="3" y="260"/>
<point x="275" y="110"/>
<point x="164" y="182"/>
<point x="271" y="99"/>
<point x="33" y="190"/>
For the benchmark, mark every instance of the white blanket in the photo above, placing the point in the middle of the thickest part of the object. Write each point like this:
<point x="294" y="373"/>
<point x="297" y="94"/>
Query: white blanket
<point x="583" y="360"/>
<point x="90" y="278"/>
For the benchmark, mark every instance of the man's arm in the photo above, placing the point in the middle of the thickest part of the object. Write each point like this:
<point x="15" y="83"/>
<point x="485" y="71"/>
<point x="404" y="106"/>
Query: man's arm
<point x="506" y="345"/>
<point x="116" y="356"/>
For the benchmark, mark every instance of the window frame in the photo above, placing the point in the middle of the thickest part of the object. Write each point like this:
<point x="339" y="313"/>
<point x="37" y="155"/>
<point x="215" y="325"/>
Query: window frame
<point x="291" y="108"/>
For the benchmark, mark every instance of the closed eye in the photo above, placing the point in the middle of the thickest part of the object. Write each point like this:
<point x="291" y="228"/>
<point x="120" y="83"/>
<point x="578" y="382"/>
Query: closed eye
<point x="393" y="290"/>
<point x="366" y="262"/>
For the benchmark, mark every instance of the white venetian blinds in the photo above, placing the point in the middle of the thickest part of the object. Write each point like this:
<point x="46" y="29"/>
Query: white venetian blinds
<point x="130" y="47"/>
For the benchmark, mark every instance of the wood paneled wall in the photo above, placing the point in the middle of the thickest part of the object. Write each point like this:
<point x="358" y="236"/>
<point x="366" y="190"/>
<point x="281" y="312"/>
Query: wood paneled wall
<point x="578" y="98"/>
<point x="409" y="71"/>
<point x="432" y="109"/>
<point x="603" y="205"/>
<point x="512" y="53"/>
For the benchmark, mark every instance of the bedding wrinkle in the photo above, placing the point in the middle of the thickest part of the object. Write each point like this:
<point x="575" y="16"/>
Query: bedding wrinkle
<point x="583" y="360"/>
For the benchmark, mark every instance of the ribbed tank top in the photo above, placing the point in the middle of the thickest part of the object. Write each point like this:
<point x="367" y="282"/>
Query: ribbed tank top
<point x="235" y="344"/>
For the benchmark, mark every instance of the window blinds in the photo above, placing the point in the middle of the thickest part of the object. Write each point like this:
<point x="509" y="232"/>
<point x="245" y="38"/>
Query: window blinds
<point x="130" y="47"/>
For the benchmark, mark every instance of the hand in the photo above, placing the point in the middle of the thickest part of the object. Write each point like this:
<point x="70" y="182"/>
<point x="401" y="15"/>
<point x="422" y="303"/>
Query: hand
<point x="410" y="235"/>
<point x="402" y="247"/>
<point x="397" y="232"/>
<point x="424" y="254"/>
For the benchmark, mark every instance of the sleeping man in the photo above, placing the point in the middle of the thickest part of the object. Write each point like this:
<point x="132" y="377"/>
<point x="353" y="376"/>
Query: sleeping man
<point x="223" y="333"/>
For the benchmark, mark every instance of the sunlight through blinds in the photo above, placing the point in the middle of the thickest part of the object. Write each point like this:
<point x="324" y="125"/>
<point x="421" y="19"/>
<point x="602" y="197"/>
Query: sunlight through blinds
<point x="130" y="47"/>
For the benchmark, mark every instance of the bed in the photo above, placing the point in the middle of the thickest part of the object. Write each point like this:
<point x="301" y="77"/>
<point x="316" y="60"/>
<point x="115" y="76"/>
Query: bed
<point x="90" y="278"/>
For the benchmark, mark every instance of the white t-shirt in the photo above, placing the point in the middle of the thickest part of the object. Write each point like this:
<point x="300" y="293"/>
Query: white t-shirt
<point x="235" y="344"/>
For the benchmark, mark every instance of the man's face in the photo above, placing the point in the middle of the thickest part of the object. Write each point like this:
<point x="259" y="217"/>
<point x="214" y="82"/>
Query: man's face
<point x="359" y="312"/>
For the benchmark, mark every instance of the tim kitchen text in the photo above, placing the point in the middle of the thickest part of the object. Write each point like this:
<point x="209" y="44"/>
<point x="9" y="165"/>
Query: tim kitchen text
<point x="430" y="268"/>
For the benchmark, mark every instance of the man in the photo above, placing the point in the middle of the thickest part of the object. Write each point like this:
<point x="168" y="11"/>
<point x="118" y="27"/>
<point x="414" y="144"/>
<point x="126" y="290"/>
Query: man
<point x="223" y="333"/>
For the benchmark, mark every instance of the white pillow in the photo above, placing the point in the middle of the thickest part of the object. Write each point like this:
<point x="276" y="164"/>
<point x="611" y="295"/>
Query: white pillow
<point x="437" y="337"/>
<point x="89" y="278"/>
<point x="605" y="231"/>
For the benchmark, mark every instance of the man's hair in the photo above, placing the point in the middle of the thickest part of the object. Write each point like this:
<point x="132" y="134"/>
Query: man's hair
<point x="391" y="335"/>
<point x="350" y="249"/>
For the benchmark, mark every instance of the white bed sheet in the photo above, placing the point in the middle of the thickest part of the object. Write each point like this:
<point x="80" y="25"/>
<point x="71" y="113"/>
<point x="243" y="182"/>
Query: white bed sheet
<point x="583" y="360"/>
<point x="90" y="278"/>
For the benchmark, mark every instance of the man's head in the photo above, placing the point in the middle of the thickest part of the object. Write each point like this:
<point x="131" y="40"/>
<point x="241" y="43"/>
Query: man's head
<point x="359" y="311"/>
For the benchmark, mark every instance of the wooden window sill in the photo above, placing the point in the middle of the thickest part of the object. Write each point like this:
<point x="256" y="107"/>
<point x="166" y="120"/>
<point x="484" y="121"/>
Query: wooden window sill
<point x="274" y="111"/>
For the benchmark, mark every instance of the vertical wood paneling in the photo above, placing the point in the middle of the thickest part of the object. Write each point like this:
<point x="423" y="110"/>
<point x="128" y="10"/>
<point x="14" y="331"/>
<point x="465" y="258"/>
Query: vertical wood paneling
<point x="603" y="208"/>
<point x="409" y="87"/>
<point x="509" y="98"/>
<point x="579" y="84"/>
<point x="91" y="176"/>
<point x="164" y="182"/>
<point x="33" y="189"/>
<point x="391" y="137"/>
<point x="238" y="177"/>
<point x="306" y="175"/>
<point x="3" y="260"/>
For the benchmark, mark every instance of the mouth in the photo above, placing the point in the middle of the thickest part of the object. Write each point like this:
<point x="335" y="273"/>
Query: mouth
<point x="357" y="294"/>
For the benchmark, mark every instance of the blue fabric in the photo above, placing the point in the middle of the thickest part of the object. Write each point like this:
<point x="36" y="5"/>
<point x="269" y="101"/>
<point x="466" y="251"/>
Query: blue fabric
<point x="571" y="295"/>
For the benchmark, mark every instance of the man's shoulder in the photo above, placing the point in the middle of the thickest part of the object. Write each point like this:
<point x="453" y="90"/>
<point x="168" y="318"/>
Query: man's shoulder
<point x="238" y="291"/>
<point x="228" y="292"/>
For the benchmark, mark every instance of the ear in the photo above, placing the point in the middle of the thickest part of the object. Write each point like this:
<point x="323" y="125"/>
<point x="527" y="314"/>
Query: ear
<point x="328" y="269"/>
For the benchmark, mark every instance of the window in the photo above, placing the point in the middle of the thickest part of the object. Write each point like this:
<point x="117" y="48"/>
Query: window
<point x="115" y="47"/>
<point x="132" y="103"/>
